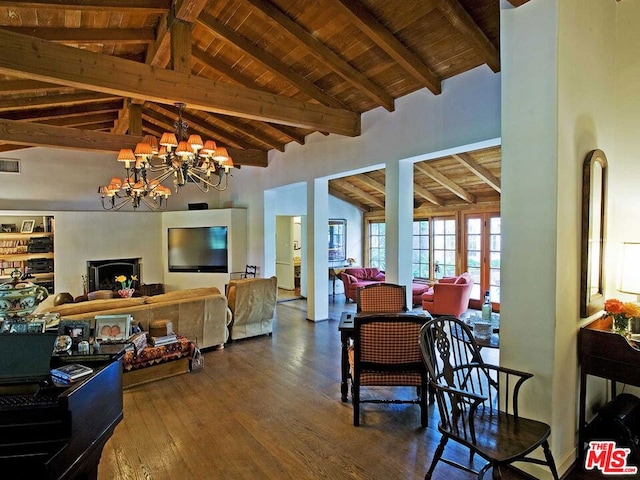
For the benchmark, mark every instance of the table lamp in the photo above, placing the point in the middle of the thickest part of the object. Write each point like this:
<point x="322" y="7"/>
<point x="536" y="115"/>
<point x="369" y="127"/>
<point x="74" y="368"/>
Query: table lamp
<point x="630" y="269"/>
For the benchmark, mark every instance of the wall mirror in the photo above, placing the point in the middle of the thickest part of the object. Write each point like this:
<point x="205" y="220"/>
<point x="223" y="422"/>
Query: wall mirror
<point x="337" y="240"/>
<point x="594" y="190"/>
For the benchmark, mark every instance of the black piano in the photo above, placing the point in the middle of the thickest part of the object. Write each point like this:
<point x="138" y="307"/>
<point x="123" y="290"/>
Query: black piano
<point x="65" y="440"/>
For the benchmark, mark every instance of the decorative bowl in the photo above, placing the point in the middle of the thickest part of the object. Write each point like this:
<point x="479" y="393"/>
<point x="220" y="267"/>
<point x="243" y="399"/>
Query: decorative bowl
<point x="19" y="298"/>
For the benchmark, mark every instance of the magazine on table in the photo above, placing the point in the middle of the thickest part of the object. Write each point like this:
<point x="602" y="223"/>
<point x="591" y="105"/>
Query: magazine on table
<point x="71" y="371"/>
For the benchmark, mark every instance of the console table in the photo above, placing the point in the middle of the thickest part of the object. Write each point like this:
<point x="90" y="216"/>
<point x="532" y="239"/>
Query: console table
<point x="605" y="354"/>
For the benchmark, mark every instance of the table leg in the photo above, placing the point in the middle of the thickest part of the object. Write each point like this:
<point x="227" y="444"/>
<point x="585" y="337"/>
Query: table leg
<point x="344" y="365"/>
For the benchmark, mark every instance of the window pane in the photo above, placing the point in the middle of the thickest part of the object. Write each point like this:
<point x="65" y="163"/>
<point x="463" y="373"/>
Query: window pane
<point x="473" y="226"/>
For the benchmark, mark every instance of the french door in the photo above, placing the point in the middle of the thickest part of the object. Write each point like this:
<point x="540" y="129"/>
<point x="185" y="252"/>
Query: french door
<point x="483" y="256"/>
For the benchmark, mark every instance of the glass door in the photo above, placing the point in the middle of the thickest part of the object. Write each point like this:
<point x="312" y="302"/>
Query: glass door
<point x="483" y="256"/>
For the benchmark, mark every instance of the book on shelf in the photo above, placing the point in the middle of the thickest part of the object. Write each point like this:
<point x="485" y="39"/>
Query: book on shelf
<point x="71" y="371"/>
<point x="164" y="340"/>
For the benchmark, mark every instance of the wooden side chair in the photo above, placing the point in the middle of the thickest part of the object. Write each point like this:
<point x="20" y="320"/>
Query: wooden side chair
<point x="478" y="402"/>
<point x="381" y="297"/>
<point x="387" y="354"/>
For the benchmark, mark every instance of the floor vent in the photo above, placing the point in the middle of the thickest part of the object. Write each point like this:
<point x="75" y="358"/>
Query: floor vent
<point x="9" y="165"/>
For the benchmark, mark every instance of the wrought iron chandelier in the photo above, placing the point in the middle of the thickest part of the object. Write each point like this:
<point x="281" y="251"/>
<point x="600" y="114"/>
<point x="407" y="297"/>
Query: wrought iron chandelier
<point x="177" y="156"/>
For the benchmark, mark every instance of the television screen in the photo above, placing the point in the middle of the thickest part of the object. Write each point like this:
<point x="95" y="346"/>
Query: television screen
<point x="198" y="249"/>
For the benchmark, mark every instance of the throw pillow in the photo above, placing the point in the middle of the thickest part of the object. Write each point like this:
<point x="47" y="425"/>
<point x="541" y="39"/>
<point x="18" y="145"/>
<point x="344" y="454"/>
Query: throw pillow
<point x="379" y="277"/>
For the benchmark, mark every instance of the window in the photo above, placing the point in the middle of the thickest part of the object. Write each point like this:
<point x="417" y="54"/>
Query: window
<point x="444" y="247"/>
<point x="434" y="248"/>
<point x="377" y="245"/>
<point x="483" y="256"/>
<point x="420" y="259"/>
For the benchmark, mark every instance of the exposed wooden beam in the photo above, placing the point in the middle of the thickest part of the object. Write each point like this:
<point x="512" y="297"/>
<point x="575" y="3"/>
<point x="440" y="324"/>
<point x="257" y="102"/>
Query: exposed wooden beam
<point x="445" y="182"/>
<point x="30" y="134"/>
<point x="364" y="178"/>
<point x="360" y="16"/>
<point x="146" y="6"/>
<point x="518" y="3"/>
<point x="44" y="101"/>
<point x="250" y="131"/>
<point x="77" y="120"/>
<point x="481" y="172"/>
<point x="267" y="61"/>
<point x="289" y="132"/>
<point x="41" y="60"/>
<point x="196" y="124"/>
<point x="464" y="23"/>
<point x="427" y="195"/>
<point x="346" y="198"/>
<point x="358" y="192"/>
<point x="24" y="85"/>
<point x="325" y="55"/>
<point x="105" y="36"/>
<point x="58" y="111"/>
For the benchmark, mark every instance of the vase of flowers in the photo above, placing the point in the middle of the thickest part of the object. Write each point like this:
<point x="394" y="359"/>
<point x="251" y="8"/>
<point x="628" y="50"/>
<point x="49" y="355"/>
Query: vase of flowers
<point x="127" y="285"/>
<point x="621" y="314"/>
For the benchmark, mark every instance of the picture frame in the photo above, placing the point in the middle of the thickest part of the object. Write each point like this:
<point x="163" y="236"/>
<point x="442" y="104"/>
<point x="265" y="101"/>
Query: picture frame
<point x="594" y="201"/>
<point x="36" y="326"/>
<point x="27" y="226"/>
<point x="78" y="330"/>
<point x="18" y="327"/>
<point x="112" y="328"/>
<point x="337" y="239"/>
<point x="9" y="228"/>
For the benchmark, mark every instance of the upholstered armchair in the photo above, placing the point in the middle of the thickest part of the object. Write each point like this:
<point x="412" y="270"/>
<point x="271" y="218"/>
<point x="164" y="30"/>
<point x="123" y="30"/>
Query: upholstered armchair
<point x="252" y="302"/>
<point x="450" y="296"/>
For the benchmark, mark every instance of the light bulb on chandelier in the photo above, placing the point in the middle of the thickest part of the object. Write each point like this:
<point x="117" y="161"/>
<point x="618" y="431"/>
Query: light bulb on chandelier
<point x="175" y="156"/>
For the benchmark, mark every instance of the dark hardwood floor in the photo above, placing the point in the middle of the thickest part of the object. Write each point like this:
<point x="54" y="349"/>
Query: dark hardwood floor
<point x="269" y="408"/>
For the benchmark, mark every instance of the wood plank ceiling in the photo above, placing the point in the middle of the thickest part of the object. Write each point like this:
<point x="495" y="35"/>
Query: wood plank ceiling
<point x="255" y="75"/>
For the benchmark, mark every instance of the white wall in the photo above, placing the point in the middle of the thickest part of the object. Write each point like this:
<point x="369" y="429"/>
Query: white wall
<point x="234" y="218"/>
<point x="57" y="179"/>
<point x="557" y="67"/>
<point x="83" y="236"/>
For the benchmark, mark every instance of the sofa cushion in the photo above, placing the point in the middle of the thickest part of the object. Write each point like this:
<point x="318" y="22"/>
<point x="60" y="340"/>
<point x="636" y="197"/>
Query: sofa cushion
<point x="428" y="295"/>
<point x="182" y="294"/>
<point x="379" y="277"/>
<point x="96" y="305"/>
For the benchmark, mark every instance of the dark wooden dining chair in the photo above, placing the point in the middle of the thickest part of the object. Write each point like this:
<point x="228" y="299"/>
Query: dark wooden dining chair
<point x="478" y="402"/>
<point x="381" y="297"/>
<point x="387" y="354"/>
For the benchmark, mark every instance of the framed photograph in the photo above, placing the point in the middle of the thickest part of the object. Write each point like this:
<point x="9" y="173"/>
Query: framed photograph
<point x="337" y="239"/>
<point x="27" y="226"/>
<point x="18" y="327"/>
<point x="112" y="327"/>
<point x="36" y="326"/>
<point x="78" y="330"/>
<point x="9" y="228"/>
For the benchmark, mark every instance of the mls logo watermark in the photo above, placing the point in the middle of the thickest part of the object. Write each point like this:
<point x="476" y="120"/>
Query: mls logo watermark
<point x="609" y="459"/>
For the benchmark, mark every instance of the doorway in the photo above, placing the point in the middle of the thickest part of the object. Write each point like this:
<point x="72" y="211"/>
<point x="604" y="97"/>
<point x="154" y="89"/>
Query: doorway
<point x="482" y="236"/>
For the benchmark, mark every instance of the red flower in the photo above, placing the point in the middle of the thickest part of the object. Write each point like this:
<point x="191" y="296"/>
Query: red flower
<point x="613" y="306"/>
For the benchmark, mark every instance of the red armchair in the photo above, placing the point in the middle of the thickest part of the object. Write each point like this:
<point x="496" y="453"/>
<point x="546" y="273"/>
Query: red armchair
<point x="450" y="296"/>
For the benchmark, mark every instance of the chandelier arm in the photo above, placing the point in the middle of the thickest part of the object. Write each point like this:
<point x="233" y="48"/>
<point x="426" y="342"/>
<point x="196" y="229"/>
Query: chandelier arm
<point x="208" y="183"/>
<point x="153" y="204"/>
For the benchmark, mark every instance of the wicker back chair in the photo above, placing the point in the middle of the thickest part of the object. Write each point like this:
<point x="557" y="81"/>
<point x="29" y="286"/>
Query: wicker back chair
<point x="478" y="402"/>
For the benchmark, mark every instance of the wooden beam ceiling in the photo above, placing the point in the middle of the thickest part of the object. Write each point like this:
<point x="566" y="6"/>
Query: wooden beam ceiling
<point x="22" y="56"/>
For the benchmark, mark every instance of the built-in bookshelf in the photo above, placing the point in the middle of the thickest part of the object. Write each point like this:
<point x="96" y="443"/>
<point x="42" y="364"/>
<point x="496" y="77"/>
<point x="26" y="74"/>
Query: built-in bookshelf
<point x="27" y="243"/>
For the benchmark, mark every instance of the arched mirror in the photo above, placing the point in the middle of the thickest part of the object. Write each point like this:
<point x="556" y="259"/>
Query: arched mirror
<point x="594" y="183"/>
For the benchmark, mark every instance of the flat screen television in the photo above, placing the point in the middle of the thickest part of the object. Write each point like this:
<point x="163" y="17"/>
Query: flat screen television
<point x="198" y="249"/>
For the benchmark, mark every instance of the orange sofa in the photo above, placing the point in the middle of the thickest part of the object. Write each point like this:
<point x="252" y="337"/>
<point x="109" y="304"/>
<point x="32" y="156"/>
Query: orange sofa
<point x="450" y="296"/>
